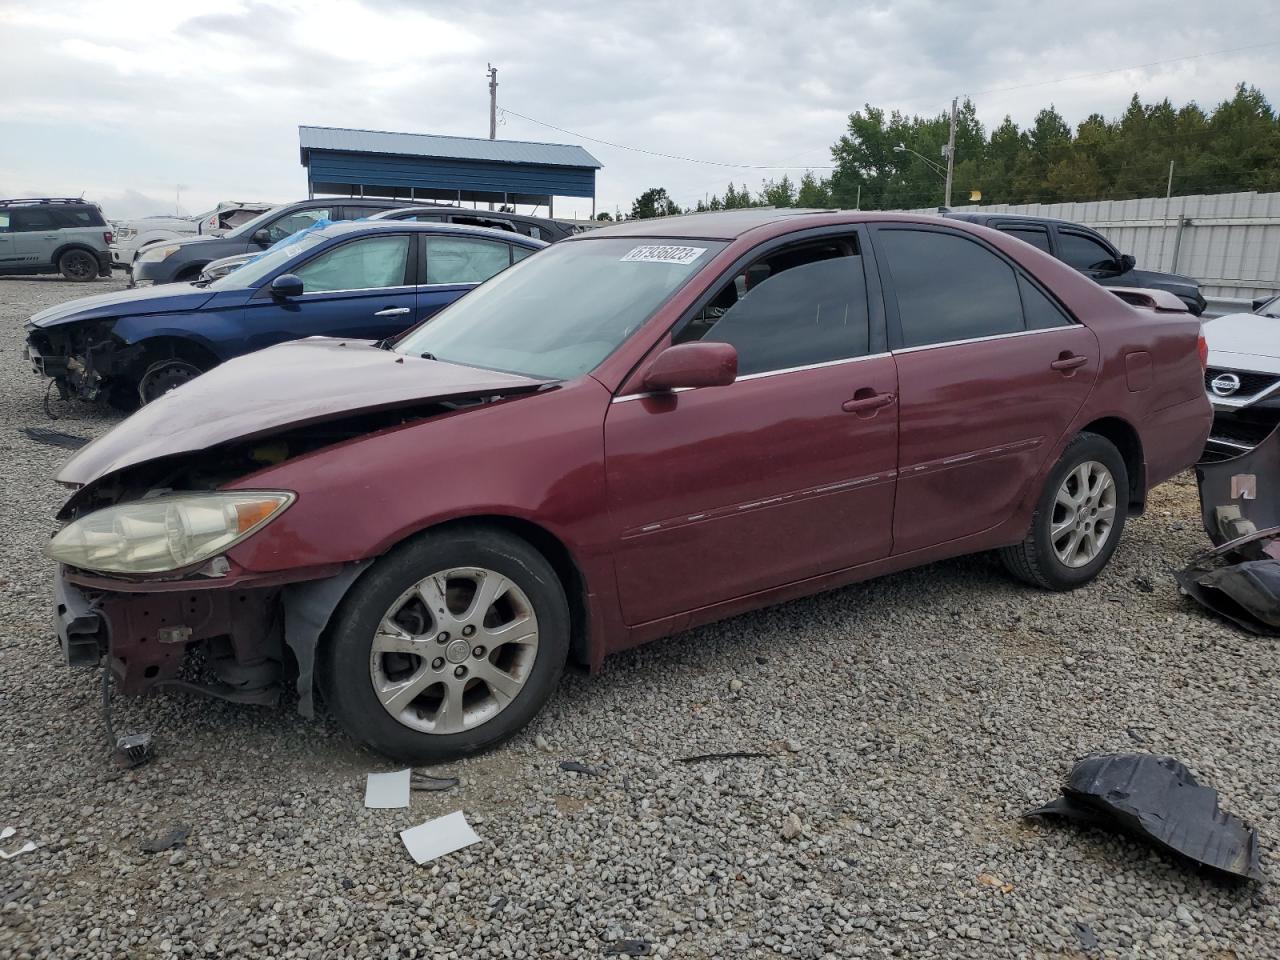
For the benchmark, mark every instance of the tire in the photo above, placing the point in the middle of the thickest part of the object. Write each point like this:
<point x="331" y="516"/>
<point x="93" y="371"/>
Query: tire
<point x="163" y="376"/>
<point x="1037" y="559"/>
<point x="352" y="671"/>
<point x="79" y="266"/>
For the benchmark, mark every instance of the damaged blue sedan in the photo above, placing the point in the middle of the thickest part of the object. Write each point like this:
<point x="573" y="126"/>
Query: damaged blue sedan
<point x="363" y="280"/>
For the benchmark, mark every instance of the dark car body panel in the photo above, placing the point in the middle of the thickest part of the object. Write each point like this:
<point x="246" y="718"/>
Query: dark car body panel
<point x="1185" y="288"/>
<point x="682" y="508"/>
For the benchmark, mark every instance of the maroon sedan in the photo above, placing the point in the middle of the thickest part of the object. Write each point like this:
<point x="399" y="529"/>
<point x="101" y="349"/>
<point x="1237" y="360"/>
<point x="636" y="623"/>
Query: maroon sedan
<point x="639" y="430"/>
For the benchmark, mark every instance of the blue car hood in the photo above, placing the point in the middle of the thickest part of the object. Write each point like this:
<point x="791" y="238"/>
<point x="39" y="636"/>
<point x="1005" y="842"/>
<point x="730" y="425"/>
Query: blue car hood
<point x="163" y="298"/>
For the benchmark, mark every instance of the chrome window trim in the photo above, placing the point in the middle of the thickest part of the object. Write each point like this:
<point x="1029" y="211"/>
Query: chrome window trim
<point x="758" y="376"/>
<point x="399" y="289"/>
<point x="994" y="336"/>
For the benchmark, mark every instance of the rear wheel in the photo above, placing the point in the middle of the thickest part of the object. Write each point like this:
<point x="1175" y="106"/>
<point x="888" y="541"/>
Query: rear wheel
<point x="78" y="265"/>
<point x="446" y="646"/>
<point x="1078" y="519"/>
<point x="163" y="376"/>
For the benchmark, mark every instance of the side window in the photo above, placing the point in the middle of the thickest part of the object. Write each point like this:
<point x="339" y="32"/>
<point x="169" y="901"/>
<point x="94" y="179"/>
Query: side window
<point x="464" y="260"/>
<point x="949" y="287"/>
<point x="358" y="265"/>
<point x="519" y="253"/>
<point x="800" y="305"/>
<point x="1041" y="312"/>
<point x="71" y="217"/>
<point x="1036" y="236"/>
<point x="359" y="213"/>
<point x="299" y="220"/>
<point x="30" y="220"/>
<point x="1084" y="252"/>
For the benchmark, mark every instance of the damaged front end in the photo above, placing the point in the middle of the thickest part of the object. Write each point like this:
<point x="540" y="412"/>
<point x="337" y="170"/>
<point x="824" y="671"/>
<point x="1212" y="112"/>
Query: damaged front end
<point x="83" y="360"/>
<point x="1239" y="577"/>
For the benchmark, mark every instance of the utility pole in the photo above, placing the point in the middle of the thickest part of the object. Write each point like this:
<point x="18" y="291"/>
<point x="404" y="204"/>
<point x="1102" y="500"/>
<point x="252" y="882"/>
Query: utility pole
<point x="951" y="153"/>
<point x="493" y="107"/>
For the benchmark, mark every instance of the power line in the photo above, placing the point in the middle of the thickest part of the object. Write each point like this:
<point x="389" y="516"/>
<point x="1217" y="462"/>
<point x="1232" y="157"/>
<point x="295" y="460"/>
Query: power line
<point x="655" y="153"/>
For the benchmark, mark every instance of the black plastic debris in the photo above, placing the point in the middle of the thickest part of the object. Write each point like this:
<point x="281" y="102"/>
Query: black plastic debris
<point x="730" y="755"/>
<point x="54" y="438"/>
<point x="627" y="948"/>
<point x="573" y="766"/>
<point x="1157" y="798"/>
<point x="1242" y="494"/>
<point x="1239" y="580"/>
<point x="177" y="837"/>
<point x="1088" y="939"/>
<point x="424" y="781"/>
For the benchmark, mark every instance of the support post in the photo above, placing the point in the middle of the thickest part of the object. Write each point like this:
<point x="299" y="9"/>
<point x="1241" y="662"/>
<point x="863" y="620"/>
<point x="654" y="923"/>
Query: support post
<point x="951" y="153"/>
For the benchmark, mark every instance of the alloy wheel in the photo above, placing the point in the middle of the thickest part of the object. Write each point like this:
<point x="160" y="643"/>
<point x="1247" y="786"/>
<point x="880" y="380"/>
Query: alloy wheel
<point x="454" y="650"/>
<point x="1084" y="513"/>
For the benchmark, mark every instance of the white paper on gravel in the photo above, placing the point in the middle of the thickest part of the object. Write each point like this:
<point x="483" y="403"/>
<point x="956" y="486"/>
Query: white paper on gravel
<point x="385" y="791"/>
<point x="435" y="838"/>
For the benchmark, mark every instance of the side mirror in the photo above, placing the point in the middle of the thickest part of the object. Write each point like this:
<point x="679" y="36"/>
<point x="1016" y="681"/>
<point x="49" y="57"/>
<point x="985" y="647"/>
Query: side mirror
<point x="285" y="286"/>
<point x="1127" y="262"/>
<point x="262" y="237"/>
<point x="697" y="364"/>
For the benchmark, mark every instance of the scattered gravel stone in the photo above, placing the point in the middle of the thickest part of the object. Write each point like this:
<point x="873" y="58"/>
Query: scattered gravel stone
<point x="933" y="707"/>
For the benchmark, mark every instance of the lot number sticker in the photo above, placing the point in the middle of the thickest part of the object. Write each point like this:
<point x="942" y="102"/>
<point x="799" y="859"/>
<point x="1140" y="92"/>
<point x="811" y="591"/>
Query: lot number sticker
<point x="661" y="253"/>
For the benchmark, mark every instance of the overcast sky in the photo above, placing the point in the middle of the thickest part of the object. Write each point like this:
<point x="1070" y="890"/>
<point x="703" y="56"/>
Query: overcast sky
<point x="125" y="101"/>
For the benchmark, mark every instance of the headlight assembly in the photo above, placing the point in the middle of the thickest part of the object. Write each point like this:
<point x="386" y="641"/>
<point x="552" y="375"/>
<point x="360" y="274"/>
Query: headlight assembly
<point x="158" y="252"/>
<point x="164" y="533"/>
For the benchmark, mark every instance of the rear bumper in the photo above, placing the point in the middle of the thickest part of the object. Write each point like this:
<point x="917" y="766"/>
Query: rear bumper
<point x="1174" y="438"/>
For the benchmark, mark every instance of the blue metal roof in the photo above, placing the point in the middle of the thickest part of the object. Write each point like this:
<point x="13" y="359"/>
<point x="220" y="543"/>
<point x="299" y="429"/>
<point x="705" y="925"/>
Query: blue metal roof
<point x="343" y="140"/>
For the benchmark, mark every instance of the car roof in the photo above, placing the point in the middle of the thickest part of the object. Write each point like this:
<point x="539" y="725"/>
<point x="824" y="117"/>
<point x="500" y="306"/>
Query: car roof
<point x="462" y="212"/>
<point x="972" y="217"/>
<point x="344" y="227"/>
<point x="732" y="224"/>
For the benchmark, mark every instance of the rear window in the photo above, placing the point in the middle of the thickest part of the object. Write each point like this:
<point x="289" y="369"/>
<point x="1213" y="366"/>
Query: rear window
<point x="77" y="217"/>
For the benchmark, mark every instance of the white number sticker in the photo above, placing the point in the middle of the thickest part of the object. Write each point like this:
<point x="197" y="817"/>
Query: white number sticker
<point x="662" y="253"/>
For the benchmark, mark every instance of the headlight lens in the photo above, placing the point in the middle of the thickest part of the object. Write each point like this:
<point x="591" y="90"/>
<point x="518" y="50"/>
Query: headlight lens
<point x="157" y="253"/>
<point x="164" y="533"/>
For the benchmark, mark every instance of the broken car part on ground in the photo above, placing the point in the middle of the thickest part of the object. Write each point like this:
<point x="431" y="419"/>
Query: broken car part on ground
<point x="1239" y="577"/>
<point x="1157" y="798"/>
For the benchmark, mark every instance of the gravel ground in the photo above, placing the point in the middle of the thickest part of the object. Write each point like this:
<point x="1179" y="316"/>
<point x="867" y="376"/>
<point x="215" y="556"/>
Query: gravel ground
<point x="908" y="723"/>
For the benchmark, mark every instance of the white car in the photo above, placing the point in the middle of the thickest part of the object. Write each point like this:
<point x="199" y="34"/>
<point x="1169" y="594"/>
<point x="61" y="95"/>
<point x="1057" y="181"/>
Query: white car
<point x="130" y="236"/>
<point x="1243" y="378"/>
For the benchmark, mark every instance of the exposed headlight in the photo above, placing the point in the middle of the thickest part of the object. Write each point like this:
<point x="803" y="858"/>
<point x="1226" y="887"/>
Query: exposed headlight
<point x="157" y="253"/>
<point x="164" y="533"/>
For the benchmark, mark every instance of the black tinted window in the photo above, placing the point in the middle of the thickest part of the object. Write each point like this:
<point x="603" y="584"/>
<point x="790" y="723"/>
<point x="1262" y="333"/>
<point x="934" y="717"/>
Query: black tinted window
<point x="799" y="306"/>
<point x="1036" y="236"/>
<point x="949" y="287"/>
<point x="1083" y="252"/>
<point x="1041" y="312"/>
<point x="31" y="219"/>
<point x="359" y="213"/>
<point x="76" y="217"/>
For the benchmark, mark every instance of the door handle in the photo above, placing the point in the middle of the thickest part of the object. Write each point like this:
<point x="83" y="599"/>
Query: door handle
<point x="392" y="312"/>
<point x="864" y="401"/>
<point x="1068" y="362"/>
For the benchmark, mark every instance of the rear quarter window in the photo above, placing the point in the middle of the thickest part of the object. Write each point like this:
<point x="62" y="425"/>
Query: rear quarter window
<point x="77" y="217"/>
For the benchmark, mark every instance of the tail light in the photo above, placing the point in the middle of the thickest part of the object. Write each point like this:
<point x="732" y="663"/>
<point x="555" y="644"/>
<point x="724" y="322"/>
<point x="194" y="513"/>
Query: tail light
<point x="1202" y="348"/>
<point x="108" y="237"/>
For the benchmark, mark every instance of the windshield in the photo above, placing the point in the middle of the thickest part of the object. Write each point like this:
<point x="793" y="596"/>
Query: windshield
<point x="1270" y="309"/>
<point x="275" y="258"/>
<point x="247" y="228"/>
<point x="559" y="314"/>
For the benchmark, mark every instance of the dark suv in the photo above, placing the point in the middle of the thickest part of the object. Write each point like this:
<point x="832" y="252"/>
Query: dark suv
<point x="1089" y="252"/>
<point x="54" y="235"/>
<point x="182" y="260"/>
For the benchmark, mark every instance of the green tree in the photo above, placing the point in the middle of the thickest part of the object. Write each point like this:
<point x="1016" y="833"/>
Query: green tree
<point x="604" y="215"/>
<point x="813" y="192"/>
<point x="780" y="193"/>
<point x="654" y="202"/>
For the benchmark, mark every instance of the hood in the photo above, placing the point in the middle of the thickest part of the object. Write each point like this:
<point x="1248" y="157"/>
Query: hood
<point x="289" y="385"/>
<point x="1244" y="333"/>
<point x="159" y="299"/>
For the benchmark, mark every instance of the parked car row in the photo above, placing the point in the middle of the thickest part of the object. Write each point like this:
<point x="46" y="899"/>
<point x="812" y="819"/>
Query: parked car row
<point x="130" y="236"/>
<point x="634" y="431"/>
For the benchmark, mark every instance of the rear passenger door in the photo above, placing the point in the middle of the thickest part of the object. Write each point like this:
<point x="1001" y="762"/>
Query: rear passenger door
<point x="991" y="372"/>
<point x="35" y="235"/>
<point x="452" y="265"/>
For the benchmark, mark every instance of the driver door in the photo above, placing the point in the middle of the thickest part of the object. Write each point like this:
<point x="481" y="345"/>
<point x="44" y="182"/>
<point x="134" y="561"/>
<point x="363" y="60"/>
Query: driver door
<point x="362" y="288"/>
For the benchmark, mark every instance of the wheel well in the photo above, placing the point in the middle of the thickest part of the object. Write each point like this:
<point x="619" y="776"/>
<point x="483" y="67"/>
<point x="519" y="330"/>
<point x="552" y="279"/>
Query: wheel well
<point x="1126" y="440"/>
<point x="562" y="562"/>
<point x="68" y="247"/>
<point x="167" y="348"/>
<point x="188" y="273"/>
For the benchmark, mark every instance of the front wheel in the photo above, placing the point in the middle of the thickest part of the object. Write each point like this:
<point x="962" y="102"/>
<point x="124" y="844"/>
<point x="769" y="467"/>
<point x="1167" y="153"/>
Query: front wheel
<point x="448" y="645"/>
<point x="1078" y="519"/>
<point x="163" y="376"/>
